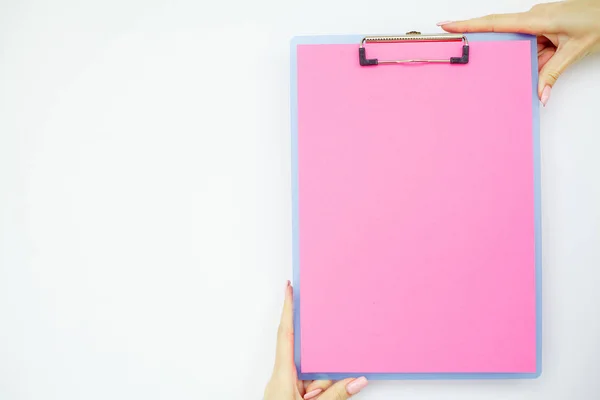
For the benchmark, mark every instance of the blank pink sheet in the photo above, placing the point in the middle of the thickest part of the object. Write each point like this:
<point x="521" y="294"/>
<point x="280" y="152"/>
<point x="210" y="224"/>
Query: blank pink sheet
<point x="416" y="210"/>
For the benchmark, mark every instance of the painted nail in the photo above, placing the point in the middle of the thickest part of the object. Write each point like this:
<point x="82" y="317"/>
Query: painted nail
<point x="312" y="393"/>
<point x="546" y="95"/>
<point x="444" y="23"/>
<point x="356" y="385"/>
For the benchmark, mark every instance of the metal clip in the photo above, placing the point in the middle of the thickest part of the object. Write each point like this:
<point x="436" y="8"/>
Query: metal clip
<point x="414" y="36"/>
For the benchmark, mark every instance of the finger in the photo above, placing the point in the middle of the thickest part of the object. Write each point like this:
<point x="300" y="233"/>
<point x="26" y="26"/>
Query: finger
<point x="566" y="54"/>
<point x="545" y="55"/>
<point x="284" y="358"/>
<point x="515" y="22"/>
<point x="542" y="43"/>
<point x="345" y="389"/>
<point x="301" y="389"/>
<point x="315" y="388"/>
<point x="541" y="19"/>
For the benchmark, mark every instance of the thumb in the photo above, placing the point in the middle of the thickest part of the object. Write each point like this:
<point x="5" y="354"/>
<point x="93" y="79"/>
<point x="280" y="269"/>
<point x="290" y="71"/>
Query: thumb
<point x="566" y="55"/>
<point x="284" y="356"/>
<point x="345" y="389"/>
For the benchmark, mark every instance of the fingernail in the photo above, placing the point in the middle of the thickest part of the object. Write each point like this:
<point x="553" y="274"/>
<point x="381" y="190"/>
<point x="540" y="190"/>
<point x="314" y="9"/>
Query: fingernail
<point x="444" y="23"/>
<point x="312" y="393"/>
<point x="287" y="286"/>
<point x="546" y="95"/>
<point x="356" y="385"/>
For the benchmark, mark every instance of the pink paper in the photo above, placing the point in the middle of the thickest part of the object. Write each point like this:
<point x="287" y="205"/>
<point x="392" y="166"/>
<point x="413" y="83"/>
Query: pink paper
<point x="416" y="200"/>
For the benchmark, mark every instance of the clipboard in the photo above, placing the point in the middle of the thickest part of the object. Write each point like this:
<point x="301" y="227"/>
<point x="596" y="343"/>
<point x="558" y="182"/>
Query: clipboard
<point x="416" y="206"/>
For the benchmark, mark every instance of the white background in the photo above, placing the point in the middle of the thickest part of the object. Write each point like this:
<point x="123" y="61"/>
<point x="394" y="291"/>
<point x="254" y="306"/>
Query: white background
<point x="145" y="199"/>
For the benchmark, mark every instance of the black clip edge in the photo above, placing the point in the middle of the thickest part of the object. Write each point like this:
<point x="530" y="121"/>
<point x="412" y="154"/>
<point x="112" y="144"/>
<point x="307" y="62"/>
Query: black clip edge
<point x="363" y="60"/>
<point x="465" y="56"/>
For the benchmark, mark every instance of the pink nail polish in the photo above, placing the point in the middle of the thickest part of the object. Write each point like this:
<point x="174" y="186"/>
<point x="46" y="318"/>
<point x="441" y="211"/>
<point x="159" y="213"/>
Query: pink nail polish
<point x="546" y="95"/>
<point x="356" y="385"/>
<point x="312" y="393"/>
<point x="444" y="23"/>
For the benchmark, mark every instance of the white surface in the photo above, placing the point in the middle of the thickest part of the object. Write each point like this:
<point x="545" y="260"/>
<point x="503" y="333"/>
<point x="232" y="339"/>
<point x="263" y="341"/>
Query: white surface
<point x="145" y="199"/>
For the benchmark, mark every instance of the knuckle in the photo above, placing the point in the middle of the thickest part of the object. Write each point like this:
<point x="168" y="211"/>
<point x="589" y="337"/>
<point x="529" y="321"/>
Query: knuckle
<point x="285" y="333"/>
<point x="546" y="9"/>
<point x="553" y="76"/>
<point x="546" y="13"/>
<point x="525" y="22"/>
<point x="492" y="21"/>
<point x="537" y="8"/>
<point x="339" y="395"/>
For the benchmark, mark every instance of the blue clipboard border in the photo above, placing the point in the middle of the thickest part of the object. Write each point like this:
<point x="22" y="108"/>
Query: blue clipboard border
<point x="355" y="39"/>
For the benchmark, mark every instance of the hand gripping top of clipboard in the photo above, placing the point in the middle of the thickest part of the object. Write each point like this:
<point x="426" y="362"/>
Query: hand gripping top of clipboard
<point x="413" y="36"/>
